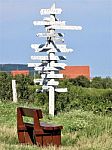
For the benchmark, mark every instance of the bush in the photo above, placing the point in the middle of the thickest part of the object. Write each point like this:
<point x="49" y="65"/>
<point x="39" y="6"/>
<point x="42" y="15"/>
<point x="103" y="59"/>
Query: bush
<point x="81" y="81"/>
<point x="5" y="86"/>
<point x="96" y="100"/>
<point x="101" y="83"/>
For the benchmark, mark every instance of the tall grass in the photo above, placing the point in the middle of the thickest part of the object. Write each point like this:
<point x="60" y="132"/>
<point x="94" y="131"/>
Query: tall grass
<point x="83" y="130"/>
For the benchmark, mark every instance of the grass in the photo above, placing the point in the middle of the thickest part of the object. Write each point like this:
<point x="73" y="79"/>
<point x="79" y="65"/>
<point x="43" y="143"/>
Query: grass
<point x="83" y="130"/>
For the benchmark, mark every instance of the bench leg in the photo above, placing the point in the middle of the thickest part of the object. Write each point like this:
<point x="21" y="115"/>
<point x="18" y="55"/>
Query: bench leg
<point x="21" y="137"/>
<point x="47" y="140"/>
<point x="28" y="139"/>
<point x="25" y="137"/>
<point x="39" y="140"/>
<point x="57" y="138"/>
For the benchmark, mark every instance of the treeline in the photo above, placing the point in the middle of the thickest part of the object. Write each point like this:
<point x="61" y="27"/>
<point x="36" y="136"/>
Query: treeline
<point x="94" y="95"/>
<point x="96" y="82"/>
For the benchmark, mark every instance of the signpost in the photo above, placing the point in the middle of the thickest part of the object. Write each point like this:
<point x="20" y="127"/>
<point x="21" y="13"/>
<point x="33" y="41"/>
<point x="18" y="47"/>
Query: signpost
<point x="49" y="66"/>
<point x="14" y="91"/>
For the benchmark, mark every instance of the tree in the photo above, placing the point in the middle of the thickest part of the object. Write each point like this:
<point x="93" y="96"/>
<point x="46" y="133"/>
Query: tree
<point x="81" y="81"/>
<point x="107" y="83"/>
<point x="97" y="83"/>
<point x="101" y="83"/>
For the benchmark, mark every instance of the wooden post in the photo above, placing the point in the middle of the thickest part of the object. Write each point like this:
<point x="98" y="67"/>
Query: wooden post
<point x="51" y="100"/>
<point x="14" y="91"/>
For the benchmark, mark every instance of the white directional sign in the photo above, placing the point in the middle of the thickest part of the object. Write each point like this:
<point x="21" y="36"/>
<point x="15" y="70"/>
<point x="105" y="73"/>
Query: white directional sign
<point x="48" y="58"/>
<point x="36" y="64"/>
<point x="53" y="10"/>
<point x="58" y="65"/>
<point x="49" y="11"/>
<point x="61" y="90"/>
<point x="46" y="23"/>
<point x="50" y="48"/>
<point x="38" y="80"/>
<point x="45" y="87"/>
<point x="50" y="35"/>
<point x="61" y="27"/>
<point x="52" y="76"/>
<point x="51" y="83"/>
<point x="46" y="69"/>
<point x="39" y="58"/>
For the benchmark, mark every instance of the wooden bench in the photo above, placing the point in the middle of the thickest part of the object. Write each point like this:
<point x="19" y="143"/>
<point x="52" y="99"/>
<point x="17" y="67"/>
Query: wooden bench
<point x="39" y="133"/>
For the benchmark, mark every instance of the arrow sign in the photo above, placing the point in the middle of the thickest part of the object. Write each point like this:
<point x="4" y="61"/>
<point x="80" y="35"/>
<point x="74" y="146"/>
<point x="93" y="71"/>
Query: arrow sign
<point x="52" y="76"/>
<point x="48" y="58"/>
<point x="38" y="81"/>
<point x="46" y="23"/>
<point x="40" y="47"/>
<point x="46" y="69"/>
<point x="36" y="64"/>
<point x="50" y="34"/>
<point x="58" y="65"/>
<point x="61" y="90"/>
<point x="64" y="27"/>
<point x="45" y="87"/>
<point x="53" y="83"/>
<point x="53" y="10"/>
<point x="50" y="48"/>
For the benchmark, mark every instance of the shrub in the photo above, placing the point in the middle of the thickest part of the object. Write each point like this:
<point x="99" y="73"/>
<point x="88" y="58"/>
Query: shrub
<point x="101" y="83"/>
<point x="96" y="100"/>
<point x="80" y="81"/>
<point x="5" y="86"/>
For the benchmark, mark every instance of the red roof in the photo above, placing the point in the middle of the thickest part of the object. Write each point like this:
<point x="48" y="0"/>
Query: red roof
<point x="75" y="71"/>
<point x="18" y="72"/>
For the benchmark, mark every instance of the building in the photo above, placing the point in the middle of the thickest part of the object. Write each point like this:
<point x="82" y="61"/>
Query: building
<point x="15" y="69"/>
<point x="75" y="71"/>
<point x="20" y="72"/>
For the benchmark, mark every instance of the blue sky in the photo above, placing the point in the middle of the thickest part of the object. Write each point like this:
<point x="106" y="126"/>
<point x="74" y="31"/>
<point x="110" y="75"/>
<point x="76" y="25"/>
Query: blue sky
<point x="92" y="46"/>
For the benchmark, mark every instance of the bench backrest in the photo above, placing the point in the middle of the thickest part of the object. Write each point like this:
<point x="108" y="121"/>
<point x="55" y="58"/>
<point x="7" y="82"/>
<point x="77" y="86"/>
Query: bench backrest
<point x="36" y="114"/>
<point x="30" y="112"/>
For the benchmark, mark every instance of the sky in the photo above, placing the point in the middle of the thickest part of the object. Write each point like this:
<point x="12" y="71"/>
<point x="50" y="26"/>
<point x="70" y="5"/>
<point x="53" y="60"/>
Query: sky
<point x="92" y="46"/>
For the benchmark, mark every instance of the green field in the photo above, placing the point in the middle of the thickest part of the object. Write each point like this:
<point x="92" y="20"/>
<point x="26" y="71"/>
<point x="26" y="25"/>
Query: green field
<point x="83" y="130"/>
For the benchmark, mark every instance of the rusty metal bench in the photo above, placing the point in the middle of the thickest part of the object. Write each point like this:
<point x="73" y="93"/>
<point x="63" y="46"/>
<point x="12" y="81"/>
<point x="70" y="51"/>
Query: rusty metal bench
<point x="39" y="133"/>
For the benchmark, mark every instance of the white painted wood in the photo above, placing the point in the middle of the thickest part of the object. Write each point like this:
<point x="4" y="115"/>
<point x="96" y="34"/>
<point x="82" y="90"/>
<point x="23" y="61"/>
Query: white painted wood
<point x="53" y="83"/>
<point x="34" y="64"/>
<point x="50" y="35"/>
<point x="47" y="68"/>
<point x="48" y="58"/>
<point x="40" y="23"/>
<point x="45" y="87"/>
<point x="14" y="92"/>
<point x="59" y="27"/>
<point x="38" y="80"/>
<point x="52" y="10"/>
<point x="50" y="48"/>
<point x="39" y="57"/>
<point x="49" y="11"/>
<point x="52" y="76"/>
<point x="51" y="100"/>
<point x="61" y="90"/>
<point x="59" y="65"/>
<point x="37" y="64"/>
<point x="61" y="46"/>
